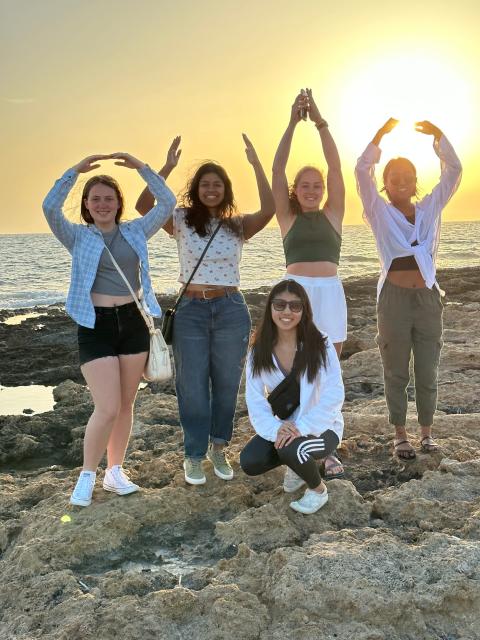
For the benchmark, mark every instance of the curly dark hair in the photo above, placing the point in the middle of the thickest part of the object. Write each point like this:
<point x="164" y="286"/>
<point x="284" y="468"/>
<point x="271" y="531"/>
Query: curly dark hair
<point x="198" y="216"/>
<point x="107" y="181"/>
<point x="311" y="343"/>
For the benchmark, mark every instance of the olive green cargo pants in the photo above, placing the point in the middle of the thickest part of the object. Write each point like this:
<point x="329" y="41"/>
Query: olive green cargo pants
<point x="410" y="321"/>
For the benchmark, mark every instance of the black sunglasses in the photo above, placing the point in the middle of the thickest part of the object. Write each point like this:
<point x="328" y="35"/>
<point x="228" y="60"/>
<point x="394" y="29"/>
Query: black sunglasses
<point x="406" y="178"/>
<point x="295" y="306"/>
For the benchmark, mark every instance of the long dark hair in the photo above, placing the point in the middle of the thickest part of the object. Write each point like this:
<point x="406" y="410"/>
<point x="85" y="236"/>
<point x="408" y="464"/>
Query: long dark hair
<point x="311" y="344"/>
<point x="107" y="181"/>
<point x="198" y="216"/>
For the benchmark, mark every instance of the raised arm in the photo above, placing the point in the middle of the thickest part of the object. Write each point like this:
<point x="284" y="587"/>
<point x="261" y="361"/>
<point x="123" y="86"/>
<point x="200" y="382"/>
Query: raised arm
<point x="255" y="222"/>
<point x="152" y="221"/>
<point x="335" y="204"/>
<point x="62" y="228"/>
<point x="450" y="166"/>
<point x="146" y="199"/>
<point x="279" y="177"/>
<point x="365" y="171"/>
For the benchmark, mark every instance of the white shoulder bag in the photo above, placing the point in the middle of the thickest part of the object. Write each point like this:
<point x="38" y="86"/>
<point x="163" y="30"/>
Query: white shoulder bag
<point x="158" y="367"/>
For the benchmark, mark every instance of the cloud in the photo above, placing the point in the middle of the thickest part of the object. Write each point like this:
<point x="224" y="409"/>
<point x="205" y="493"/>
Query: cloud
<point x="19" y="100"/>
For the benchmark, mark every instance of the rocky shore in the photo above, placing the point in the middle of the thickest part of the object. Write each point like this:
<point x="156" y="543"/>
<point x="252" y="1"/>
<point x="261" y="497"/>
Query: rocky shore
<point x="395" y="554"/>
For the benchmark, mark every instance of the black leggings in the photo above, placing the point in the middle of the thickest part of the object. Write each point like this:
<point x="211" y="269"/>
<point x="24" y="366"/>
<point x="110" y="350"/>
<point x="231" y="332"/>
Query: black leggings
<point x="259" y="456"/>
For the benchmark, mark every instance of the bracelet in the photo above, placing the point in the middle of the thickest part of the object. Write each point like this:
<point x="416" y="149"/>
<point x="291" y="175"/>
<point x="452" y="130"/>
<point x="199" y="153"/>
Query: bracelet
<point x="320" y="125"/>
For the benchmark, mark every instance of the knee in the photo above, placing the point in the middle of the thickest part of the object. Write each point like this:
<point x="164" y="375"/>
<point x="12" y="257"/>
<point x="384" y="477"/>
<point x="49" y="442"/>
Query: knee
<point x="427" y="383"/>
<point x="107" y="414"/>
<point x="126" y="405"/>
<point x="250" y="465"/>
<point x="288" y="454"/>
<point x="191" y="385"/>
<point x="396" y="373"/>
<point x="398" y="379"/>
<point x="426" y="374"/>
<point x="125" y="410"/>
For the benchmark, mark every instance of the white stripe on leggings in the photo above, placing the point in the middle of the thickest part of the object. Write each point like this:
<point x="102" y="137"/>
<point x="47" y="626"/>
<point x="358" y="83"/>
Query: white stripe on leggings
<point x="306" y="447"/>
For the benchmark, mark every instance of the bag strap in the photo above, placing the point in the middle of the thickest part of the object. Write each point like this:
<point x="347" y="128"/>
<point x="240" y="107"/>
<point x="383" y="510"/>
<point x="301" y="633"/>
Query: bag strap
<point x="294" y="370"/>
<point x="148" y="320"/>
<point x="197" y="265"/>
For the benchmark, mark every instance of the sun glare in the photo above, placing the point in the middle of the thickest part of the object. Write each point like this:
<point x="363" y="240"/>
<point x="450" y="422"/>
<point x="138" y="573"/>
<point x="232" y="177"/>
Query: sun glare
<point x="411" y="88"/>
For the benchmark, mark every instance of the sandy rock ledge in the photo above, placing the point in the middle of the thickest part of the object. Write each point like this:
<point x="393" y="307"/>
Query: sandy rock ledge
<point x="395" y="554"/>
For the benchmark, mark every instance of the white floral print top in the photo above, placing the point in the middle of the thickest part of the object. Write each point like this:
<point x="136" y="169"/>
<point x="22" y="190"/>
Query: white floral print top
<point x="221" y="263"/>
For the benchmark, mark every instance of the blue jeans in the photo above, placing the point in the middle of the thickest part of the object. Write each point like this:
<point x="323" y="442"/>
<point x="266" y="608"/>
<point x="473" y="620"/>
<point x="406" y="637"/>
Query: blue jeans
<point x="210" y="340"/>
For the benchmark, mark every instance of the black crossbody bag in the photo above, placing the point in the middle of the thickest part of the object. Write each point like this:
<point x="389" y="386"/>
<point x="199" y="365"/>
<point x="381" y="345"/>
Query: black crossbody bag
<point x="285" y="398"/>
<point x="169" y="315"/>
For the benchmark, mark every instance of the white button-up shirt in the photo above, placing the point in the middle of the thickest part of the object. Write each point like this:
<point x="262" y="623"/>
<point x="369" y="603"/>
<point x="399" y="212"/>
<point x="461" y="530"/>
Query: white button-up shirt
<point x="321" y="401"/>
<point x="394" y="234"/>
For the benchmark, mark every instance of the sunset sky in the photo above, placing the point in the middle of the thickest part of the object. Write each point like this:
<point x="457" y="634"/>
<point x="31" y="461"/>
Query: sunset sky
<point x="83" y="76"/>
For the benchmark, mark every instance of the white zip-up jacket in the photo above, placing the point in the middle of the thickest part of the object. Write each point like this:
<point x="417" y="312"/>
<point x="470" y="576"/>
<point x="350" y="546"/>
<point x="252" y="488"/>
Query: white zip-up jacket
<point x="321" y="401"/>
<point x="394" y="234"/>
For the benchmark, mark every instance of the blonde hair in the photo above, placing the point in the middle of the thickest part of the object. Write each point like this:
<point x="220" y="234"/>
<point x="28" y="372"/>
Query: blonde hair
<point x="292" y="196"/>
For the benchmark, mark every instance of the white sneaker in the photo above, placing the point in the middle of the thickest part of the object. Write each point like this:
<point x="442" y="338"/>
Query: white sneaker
<point x="116" y="480"/>
<point x="82" y="494"/>
<point x="312" y="501"/>
<point x="292" y="481"/>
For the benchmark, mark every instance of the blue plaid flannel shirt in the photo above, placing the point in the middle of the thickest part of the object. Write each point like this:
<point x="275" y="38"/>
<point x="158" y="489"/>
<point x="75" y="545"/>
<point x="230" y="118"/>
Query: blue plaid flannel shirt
<point x="85" y="243"/>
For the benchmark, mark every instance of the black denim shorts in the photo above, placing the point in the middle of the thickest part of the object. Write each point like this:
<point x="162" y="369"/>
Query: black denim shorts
<point x="118" y="331"/>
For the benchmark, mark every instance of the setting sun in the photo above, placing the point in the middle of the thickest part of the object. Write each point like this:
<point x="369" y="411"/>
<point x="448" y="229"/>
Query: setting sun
<point x="410" y="87"/>
<point x="269" y="211"/>
<point x="364" y="66"/>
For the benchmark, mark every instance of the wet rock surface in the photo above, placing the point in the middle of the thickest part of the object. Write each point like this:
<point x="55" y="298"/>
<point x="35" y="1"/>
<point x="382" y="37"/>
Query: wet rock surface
<point x="394" y="554"/>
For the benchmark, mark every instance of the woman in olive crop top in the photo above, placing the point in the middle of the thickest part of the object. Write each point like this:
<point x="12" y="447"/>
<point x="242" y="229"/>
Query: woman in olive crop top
<point x="311" y="235"/>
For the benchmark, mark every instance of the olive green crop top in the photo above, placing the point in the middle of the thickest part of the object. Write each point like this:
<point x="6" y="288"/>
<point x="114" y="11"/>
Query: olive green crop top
<point x="311" y="238"/>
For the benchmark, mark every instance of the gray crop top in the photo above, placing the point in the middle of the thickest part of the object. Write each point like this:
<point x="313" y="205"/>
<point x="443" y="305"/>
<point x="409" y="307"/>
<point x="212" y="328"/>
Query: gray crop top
<point x="108" y="280"/>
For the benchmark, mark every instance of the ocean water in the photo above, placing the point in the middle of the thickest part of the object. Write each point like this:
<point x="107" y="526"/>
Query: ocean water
<point x="35" y="268"/>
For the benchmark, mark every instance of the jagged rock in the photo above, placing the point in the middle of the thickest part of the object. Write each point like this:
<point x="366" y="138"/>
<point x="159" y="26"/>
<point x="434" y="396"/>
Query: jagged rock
<point x="274" y="524"/>
<point x="393" y="555"/>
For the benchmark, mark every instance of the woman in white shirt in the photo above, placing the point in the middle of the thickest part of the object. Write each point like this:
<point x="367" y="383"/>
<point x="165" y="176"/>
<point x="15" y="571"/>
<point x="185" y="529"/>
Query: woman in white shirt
<point x="212" y="322"/>
<point x="287" y="339"/>
<point x="409" y="306"/>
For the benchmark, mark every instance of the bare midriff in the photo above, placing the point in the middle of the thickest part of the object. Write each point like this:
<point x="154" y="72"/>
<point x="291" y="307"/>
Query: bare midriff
<point x="313" y="269"/>
<point x="411" y="279"/>
<point x="104" y="300"/>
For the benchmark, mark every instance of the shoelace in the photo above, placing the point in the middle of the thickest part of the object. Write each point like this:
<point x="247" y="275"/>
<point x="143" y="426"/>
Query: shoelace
<point x="120" y="475"/>
<point x="196" y="465"/>
<point x="218" y="457"/>
<point x="85" y="484"/>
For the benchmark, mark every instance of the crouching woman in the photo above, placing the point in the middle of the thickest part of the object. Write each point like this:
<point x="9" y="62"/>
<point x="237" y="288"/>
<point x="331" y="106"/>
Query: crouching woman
<point x="300" y="421"/>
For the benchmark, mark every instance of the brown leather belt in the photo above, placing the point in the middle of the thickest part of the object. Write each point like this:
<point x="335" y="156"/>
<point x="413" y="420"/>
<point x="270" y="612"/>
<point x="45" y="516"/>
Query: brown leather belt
<point x="208" y="294"/>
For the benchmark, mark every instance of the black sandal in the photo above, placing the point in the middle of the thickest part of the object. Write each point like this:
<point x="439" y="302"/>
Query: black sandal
<point x="404" y="454"/>
<point x="333" y="476"/>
